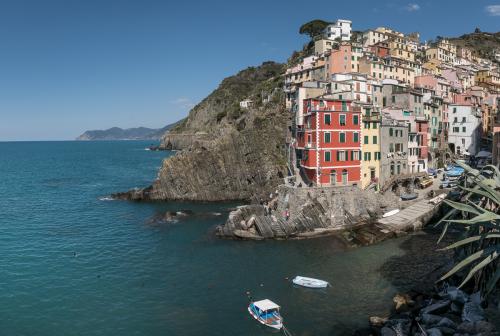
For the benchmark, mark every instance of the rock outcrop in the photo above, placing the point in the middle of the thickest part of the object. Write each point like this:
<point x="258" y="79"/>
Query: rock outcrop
<point x="312" y="212"/>
<point x="228" y="152"/>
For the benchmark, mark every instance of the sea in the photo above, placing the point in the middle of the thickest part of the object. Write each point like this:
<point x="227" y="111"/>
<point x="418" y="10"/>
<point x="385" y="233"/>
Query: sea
<point x="75" y="262"/>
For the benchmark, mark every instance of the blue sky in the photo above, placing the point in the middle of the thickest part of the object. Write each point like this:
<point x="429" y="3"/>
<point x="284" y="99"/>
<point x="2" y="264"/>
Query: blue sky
<point x="68" y="66"/>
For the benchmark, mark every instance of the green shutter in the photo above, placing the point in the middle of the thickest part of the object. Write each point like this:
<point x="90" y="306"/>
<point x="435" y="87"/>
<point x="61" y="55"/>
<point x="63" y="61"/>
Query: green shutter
<point x="374" y="139"/>
<point x="366" y="140"/>
<point x="355" y="119"/>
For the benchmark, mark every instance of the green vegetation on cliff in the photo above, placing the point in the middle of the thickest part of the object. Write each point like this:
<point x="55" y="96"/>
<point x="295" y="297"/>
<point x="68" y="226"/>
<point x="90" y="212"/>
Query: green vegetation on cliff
<point x="221" y="108"/>
<point x="483" y="43"/>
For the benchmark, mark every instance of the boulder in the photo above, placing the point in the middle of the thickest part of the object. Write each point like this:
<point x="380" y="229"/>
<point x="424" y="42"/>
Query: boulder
<point x="437" y="308"/>
<point x="434" y="332"/>
<point x="447" y="323"/>
<point x="403" y="302"/>
<point x="377" y="321"/>
<point x="472" y="312"/>
<point x="430" y="320"/>
<point x="484" y="327"/>
<point x="386" y="331"/>
<point x="455" y="295"/>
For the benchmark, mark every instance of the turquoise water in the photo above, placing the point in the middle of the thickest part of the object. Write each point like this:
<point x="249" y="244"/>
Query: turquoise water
<point x="72" y="263"/>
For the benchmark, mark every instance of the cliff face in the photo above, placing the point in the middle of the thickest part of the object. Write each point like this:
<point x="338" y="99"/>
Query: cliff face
<point x="228" y="153"/>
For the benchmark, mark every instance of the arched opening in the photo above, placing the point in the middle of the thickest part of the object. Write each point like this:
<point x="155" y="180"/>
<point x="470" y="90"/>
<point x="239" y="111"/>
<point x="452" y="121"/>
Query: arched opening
<point x="345" y="177"/>
<point x="333" y="177"/>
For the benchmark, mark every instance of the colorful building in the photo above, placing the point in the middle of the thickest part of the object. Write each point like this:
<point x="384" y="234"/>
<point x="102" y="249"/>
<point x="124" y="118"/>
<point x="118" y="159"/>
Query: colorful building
<point x="329" y="144"/>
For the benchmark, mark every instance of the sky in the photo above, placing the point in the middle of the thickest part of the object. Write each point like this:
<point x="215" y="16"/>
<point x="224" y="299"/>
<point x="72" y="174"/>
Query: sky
<point x="69" y="66"/>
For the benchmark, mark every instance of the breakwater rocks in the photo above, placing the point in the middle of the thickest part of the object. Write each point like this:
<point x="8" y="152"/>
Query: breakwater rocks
<point x="449" y="311"/>
<point x="311" y="212"/>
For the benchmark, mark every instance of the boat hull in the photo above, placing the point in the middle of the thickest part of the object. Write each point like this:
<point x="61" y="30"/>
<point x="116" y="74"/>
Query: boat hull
<point x="309" y="282"/>
<point x="276" y="326"/>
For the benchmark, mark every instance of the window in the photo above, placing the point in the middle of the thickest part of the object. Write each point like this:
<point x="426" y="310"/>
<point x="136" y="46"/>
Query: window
<point x="464" y="119"/>
<point x="374" y="125"/>
<point x="368" y="156"/>
<point x="456" y="129"/>
<point x="344" y="106"/>
<point x="377" y="155"/>
<point x="464" y="129"/>
<point x="355" y="136"/>
<point x="393" y="99"/>
<point x="454" y="110"/>
<point x="342" y="137"/>
<point x="328" y="119"/>
<point x="367" y="112"/>
<point x="341" y="156"/>
<point x="342" y="119"/>
<point x="374" y="139"/>
<point x="455" y="120"/>
<point x="355" y="119"/>
<point x="355" y="155"/>
<point x="391" y="132"/>
<point x="328" y="137"/>
<point x="391" y="148"/>
<point x="328" y="156"/>
<point x="366" y="140"/>
<point x="392" y="168"/>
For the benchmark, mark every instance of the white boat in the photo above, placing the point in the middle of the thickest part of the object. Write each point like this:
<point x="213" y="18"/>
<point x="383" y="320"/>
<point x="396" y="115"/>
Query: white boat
<point x="390" y="213"/>
<point x="310" y="282"/>
<point x="266" y="312"/>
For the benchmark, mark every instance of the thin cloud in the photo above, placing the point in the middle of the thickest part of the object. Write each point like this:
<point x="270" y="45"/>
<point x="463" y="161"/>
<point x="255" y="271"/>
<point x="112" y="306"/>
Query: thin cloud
<point x="184" y="102"/>
<point x="412" y="7"/>
<point x="493" y="10"/>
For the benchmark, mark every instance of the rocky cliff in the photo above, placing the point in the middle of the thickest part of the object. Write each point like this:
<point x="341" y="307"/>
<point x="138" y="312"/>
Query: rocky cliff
<point x="312" y="212"/>
<point x="228" y="152"/>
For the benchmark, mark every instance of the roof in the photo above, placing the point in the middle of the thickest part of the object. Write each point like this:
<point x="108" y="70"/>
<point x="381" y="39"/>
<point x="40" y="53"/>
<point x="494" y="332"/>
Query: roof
<point x="266" y="304"/>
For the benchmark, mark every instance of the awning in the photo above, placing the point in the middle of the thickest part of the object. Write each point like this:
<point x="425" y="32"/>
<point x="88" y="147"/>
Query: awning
<point x="265" y="305"/>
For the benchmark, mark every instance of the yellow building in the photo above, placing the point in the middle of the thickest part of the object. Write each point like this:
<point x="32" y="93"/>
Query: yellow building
<point x="370" y="147"/>
<point x="489" y="79"/>
<point x="401" y="49"/>
<point x="378" y="69"/>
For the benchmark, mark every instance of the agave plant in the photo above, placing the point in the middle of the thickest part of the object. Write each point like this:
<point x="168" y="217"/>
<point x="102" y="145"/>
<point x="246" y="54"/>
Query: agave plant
<point x="479" y="213"/>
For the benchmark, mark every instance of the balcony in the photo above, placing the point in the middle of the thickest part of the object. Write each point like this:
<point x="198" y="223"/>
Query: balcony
<point x="371" y="118"/>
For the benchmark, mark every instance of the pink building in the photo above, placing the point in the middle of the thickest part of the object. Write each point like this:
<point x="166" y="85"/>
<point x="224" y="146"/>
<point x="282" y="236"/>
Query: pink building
<point x="339" y="61"/>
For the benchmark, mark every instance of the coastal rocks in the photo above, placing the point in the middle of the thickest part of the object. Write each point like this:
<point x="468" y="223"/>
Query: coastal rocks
<point x="310" y="212"/>
<point x="432" y="314"/>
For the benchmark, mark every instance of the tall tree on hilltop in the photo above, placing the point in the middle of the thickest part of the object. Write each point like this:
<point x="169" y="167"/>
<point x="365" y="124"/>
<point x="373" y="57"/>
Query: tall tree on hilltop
<point x="313" y="28"/>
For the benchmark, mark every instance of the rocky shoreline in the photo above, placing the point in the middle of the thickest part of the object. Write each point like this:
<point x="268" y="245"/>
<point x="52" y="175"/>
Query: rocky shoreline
<point x="427" y="309"/>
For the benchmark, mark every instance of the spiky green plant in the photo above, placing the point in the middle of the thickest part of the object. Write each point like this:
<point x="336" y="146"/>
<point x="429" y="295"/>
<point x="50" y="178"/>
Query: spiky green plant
<point x="479" y="212"/>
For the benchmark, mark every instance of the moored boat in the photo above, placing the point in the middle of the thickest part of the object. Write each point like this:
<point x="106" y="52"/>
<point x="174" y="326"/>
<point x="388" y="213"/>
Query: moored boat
<point x="267" y="313"/>
<point x="310" y="282"/>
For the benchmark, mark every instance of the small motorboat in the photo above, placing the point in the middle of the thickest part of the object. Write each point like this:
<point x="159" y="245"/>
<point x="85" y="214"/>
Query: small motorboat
<point x="409" y="197"/>
<point x="310" y="282"/>
<point x="266" y="312"/>
<point x="390" y="213"/>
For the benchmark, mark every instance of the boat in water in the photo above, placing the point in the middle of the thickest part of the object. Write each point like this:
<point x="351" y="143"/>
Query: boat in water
<point x="409" y="197"/>
<point x="310" y="282"/>
<point x="266" y="312"/>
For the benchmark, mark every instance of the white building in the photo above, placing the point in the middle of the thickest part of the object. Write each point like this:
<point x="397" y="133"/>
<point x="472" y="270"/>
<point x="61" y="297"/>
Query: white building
<point x="340" y="29"/>
<point x="465" y="129"/>
<point x="351" y="86"/>
<point x="247" y="103"/>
